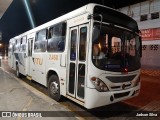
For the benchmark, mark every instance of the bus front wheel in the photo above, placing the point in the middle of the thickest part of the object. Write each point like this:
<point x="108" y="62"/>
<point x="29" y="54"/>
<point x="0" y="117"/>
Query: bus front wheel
<point x="54" y="88"/>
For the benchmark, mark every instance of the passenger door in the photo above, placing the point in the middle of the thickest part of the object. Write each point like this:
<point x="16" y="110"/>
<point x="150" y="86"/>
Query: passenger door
<point x="29" y="57"/>
<point x="77" y="61"/>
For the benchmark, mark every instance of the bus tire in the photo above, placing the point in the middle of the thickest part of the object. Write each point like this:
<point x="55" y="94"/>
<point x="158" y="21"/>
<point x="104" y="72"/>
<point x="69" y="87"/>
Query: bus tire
<point x="18" y="74"/>
<point x="54" y="87"/>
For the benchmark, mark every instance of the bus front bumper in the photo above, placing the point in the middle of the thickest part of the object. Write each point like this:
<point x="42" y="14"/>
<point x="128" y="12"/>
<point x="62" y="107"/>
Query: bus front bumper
<point x="95" y="99"/>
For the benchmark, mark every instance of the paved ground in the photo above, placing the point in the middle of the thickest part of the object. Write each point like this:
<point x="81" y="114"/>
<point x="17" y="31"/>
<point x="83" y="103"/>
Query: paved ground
<point x="153" y="73"/>
<point x="149" y="97"/>
<point x="15" y="95"/>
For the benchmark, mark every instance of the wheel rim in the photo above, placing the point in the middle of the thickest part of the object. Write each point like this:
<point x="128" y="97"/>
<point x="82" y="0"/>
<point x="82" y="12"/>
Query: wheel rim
<point x="54" y="88"/>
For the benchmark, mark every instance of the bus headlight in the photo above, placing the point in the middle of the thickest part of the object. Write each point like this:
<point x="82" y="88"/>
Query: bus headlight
<point x="99" y="84"/>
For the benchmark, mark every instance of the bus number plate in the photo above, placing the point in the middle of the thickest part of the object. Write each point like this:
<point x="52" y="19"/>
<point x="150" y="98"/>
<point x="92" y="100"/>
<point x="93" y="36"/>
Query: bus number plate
<point x="53" y="57"/>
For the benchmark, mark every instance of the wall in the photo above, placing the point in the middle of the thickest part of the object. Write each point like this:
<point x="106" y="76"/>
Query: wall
<point x="151" y="47"/>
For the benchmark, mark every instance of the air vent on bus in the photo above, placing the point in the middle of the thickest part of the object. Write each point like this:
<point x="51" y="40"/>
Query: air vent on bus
<point x="119" y="95"/>
<point x="120" y="79"/>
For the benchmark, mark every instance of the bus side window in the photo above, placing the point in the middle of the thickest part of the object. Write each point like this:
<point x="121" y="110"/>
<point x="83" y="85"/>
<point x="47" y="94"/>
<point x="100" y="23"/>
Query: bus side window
<point x="14" y="46"/>
<point x="50" y="33"/>
<point x="56" y="38"/>
<point x="23" y="45"/>
<point x="40" y="41"/>
<point x="10" y="47"/>
<point x="17" y="45"/>
<point x="20" y="44"/>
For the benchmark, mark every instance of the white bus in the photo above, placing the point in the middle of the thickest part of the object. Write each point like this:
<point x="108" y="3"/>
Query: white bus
<point x="90" y="55"/>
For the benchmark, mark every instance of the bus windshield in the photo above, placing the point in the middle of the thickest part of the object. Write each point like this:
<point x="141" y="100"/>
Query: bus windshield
<point x="115" y="49"/>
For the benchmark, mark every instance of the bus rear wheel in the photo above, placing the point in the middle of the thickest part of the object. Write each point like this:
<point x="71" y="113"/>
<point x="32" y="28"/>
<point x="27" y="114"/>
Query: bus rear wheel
<point x="54" y="87"/>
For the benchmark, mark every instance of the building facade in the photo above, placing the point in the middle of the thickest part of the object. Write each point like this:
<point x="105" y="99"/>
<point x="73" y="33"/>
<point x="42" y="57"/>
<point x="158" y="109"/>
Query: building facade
<point x="147" y="15"/>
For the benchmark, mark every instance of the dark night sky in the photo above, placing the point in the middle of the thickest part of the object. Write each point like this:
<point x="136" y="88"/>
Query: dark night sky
<point x="15" y="20"/>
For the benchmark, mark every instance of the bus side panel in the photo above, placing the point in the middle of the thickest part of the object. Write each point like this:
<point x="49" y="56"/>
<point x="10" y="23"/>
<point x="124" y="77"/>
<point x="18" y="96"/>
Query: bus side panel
<point x="38" y="68"/>
<point x="54" y="64"/>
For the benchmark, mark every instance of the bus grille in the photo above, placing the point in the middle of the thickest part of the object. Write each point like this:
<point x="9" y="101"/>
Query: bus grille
<point x="121" y="79"/>
<point x="120" y="87"/>
<point x="119" y="95"/>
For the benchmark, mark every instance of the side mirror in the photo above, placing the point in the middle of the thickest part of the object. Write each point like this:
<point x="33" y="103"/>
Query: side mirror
<point x="96" y="34"/>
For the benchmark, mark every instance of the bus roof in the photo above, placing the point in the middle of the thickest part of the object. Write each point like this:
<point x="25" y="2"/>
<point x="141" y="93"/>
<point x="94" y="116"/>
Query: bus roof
<point x="85" y="9"/>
